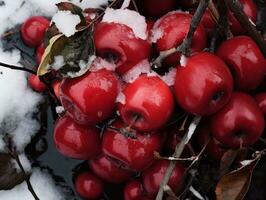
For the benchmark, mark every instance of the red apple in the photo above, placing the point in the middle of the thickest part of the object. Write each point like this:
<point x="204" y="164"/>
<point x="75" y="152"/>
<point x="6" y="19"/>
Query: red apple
<point x="240" y="122"/>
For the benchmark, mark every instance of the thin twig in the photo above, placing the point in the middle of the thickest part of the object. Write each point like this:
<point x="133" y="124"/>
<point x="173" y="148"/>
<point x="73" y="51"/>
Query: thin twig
<point x="246" y="23"/>
<point x="184" y="48"/>
<point x="17" y="68"/>
<point x="178" y="151"/>
<point x="12" y="151"/>
<point x="26" y="176"/>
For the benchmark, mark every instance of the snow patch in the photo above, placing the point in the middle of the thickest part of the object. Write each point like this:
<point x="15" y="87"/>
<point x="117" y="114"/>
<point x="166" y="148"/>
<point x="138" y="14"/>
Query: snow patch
<point x="183" y="61"/>
<point x="100" y="63"/>
<point x="42" y="184"/>
<point x="143" y="67"/>
<point x="129" y="18"/>
<point x="66" y="22"/>
<point x="25" y="163"/>
<point x="121" y="98"/>
<point x="169" y="78"/>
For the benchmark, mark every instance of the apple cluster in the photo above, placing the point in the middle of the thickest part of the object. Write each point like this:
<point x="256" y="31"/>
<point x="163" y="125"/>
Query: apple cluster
<point x="220" y="87"/>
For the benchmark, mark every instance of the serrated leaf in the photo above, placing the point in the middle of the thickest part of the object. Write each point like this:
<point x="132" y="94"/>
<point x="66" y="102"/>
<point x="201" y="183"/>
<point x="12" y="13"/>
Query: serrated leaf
<point x="75" y="49"/>
<point x="9" y="177"/>
<point x="234" y="185"/>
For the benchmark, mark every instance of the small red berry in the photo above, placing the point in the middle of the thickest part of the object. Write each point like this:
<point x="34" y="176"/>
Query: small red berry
<point x="36" y="84"/>
<point x="90" y="99"/>
<point x="33" y="30"/>
<point x="153" y="176"/>
<point x="149" y="103"/>
<point x="245" y="60"/>
<point x="118" y="43"/>
<point x="89" y="186"/>
<point x="131" y="153"/>
<point x="109" y="171"/>
<point x="239" y="123"/>
<point x="39" y="53"/>
<point x="135" y="191"/>
<point x="76" y="141"/>
<point x="203" y="85"/>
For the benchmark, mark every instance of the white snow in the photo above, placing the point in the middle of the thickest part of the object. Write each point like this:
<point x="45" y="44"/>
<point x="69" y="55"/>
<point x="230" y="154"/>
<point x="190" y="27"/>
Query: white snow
<point x="143" y="67"/>
<point x="66" y="22"/>
<point x="127" y="17"/>
<point x="169" y="78"/>
<point x="100" y="63"/>
<point x="17" y="103"/>
<point x="121" y="98"/>
<point x="157" y="33"/>
<point x="59" y="109"/>
<point x="183" y="61"/>
<point x="42" y="184"/>
<point x="58" y="63"/>
<point x="24" y="161"/>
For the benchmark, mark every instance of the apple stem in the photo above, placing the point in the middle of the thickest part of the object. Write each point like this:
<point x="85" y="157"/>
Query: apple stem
<point x="123" y="131"/>
<point x="14" y="155"/>
<point x="178" y="151"/>
<point x="14" y="67"/>
<point x="246" y="23"/>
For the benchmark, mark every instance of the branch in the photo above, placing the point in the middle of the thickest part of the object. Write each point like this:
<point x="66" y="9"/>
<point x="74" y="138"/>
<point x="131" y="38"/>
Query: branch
<point x="246" y="23"/>
<point x="184" y="48"/>
<point x="17" y="68"/>
<point x="26" y="176"/>
<point x="186" y="44"/>
<point x="14" y="154"/>
<point x="178" y="151"/>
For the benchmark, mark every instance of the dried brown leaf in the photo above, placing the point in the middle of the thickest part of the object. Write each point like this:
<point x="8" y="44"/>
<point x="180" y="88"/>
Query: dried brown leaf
<point x="9" y="177"/>
<point x="234" y="185"/>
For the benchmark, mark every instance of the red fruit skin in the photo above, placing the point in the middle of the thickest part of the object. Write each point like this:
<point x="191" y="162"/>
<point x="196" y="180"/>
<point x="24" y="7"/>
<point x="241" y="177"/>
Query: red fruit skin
<point x="36" y="84"/>
<point x="153" y="176"/>
<point x="174" y="27"/>
<point x="204" y="85"/>
<point x="134" y="191"/>
<point x="56" y="88"/>
<point x="33" y="30"/>
<point x="261" y="100"/>
<point x="208" y="22"/>
<point x="240" y="121"/>
<point x="155" y="8"/>
<point x="250" y="9"/>
<point x="39" y="52"/>
<point x="112" y="39"/>
<point x="214" y="149"/>
<point x="76" y="141"/>
<point x="90" y="99"/>
<point x="108" y="171"/>
<point x="133" y="154"/>
<point x="151" y="100"/>
<point x="245" y="60"/>
<point x="89" y="186"/>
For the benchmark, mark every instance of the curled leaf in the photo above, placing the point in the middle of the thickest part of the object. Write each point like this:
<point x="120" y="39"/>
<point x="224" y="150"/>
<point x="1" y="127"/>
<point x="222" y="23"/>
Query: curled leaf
<point x="9" y="177"/>
<point x="77" y="54"/>
<point x="234" y="185"/>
